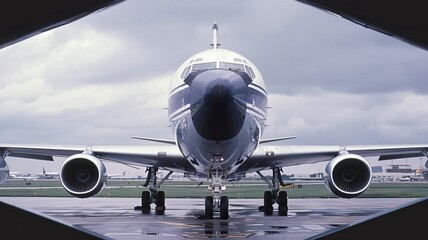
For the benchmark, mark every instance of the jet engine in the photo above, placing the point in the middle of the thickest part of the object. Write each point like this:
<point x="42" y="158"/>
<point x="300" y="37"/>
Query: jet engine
<point x="4" y="170"/>
<point x="349" y="175"/>
<point x="83" y="175"/>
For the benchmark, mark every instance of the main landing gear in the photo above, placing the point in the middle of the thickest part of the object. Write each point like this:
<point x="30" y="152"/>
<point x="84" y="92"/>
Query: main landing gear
<point x="274" y="195"/>
<point x="153" y="195"/>
<point x="216" y="202"/>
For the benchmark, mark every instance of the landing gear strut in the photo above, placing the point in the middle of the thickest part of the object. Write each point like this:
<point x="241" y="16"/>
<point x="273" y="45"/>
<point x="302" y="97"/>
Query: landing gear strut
<point x="274" y="195"/>
<point x="216" y="202"/>
<point x="153" y="195"/>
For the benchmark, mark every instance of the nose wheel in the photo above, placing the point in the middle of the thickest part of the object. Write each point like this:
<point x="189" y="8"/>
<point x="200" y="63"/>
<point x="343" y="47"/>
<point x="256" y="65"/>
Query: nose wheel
<point x="209" y="207"/>
<point x="223" y="208"/>
<point x="216" y="202"/>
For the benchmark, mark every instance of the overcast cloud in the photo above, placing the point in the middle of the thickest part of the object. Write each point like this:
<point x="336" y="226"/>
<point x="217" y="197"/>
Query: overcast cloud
<point x="105" y="77"/>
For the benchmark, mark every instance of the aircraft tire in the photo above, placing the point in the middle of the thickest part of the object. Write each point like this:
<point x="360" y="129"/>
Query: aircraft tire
<point x="268" y="209"/>
<point x="209" y="207"/>
<point x="224" y="207"/>
<point x="282" y="203"/>
<point x="160" y="203"/>
<point x="145" y="202"/>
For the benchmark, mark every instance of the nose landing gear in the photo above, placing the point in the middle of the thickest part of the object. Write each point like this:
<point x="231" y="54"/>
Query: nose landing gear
<point x="216" y="202"/>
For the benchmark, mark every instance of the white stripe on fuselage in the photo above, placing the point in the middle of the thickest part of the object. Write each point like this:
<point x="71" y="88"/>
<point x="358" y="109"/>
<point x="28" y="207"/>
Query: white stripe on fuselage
<point x="252" y="112"/>
<point x="258" y="88"/>
<point x="178" y="89"/>
<point x="259" y="113"/>
<point x="180" y="112"/>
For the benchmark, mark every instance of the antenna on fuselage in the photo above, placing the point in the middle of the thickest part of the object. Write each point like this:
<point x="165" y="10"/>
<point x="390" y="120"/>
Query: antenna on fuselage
<point x="215" y="45"/>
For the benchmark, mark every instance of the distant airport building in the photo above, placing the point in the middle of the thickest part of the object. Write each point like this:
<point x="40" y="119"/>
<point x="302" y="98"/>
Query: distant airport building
<point x="399" y="168"/>
<point x="307" y="177"/>
<point x="398" y="173"/>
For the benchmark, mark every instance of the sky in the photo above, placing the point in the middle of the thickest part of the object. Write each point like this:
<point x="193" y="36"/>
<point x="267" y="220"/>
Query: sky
<point x="105" y="78"/>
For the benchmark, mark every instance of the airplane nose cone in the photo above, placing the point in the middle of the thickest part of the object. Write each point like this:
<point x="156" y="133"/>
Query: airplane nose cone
<point x="218" y="94"/>
<point x="218" y="104"/>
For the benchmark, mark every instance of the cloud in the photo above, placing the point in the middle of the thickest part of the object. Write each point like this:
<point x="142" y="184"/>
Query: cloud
<point x="338" y="118"/>
<point x="35" y="110"/>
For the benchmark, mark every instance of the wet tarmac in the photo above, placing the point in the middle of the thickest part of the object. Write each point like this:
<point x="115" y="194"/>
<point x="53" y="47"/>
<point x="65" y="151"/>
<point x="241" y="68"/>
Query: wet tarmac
<point x="116" y="218"/>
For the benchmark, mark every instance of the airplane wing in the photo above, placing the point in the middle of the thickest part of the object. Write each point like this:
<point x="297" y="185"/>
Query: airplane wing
<point x="267" y="157"/>
<point x="403" y="19"/>
<point x="23" y="19"/>
<point x="163" y="157"/>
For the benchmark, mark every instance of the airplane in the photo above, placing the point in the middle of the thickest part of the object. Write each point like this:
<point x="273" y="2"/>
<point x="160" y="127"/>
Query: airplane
<point x="217" y="107"/>
<point x="18" y="175"/>
<point x="418" y="177"/>
<point x="116" y="175"/>
<point x="14" y="174"/>
<point x="48" y="175"/>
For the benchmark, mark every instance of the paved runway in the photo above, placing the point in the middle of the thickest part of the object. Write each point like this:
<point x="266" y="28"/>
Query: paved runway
<point x="115" y="217"/>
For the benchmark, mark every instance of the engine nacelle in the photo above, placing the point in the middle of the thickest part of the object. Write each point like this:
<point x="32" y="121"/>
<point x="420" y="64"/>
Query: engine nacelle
<point x="349" y="175"/>
<point x="4" y="170"/>
<point x="83" y="175"/>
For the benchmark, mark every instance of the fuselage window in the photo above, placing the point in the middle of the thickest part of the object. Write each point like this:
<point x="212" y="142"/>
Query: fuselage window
<point x="232" y="66"/>
<point x="203" y="66"/>
<point x="185" y="73"/>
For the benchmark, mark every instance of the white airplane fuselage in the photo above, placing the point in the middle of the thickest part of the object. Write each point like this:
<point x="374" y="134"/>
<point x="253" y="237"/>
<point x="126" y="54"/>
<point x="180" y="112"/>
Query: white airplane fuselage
<point x="217" y="109"/>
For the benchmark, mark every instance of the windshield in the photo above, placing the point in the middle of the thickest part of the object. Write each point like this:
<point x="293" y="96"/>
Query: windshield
<point x="232" y="66"/>
<point x="203" y="66"/>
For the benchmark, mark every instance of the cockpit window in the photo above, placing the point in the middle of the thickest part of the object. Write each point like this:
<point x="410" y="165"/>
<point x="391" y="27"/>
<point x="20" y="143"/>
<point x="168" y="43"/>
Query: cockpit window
<point x="185" y="72"/>
<point x="203" y="66"/>
<point x="250" y="72"/>
<point x="198" y="60"/>
<point x="232" y="66"/>
<point x="237" y="60"/>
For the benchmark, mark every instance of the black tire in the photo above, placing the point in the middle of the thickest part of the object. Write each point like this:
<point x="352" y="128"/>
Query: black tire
<point x="224" y="207"/>
<point x="282" y="203"/>
<point x="160" y="199"/>
<point x="145" y="202"/>
<point x="268" y="209"/>
<point x="209" y="207"/>
<point x="160" y="203"/>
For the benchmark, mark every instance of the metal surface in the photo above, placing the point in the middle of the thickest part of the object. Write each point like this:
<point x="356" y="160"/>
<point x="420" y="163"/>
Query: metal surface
<point x="403" y="19"/>
<point x="21" y="19"/>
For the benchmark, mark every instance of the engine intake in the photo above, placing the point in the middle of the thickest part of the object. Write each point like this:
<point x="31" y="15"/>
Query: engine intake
<point x="349" y="175"/>
<point x="83" y="175"/>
